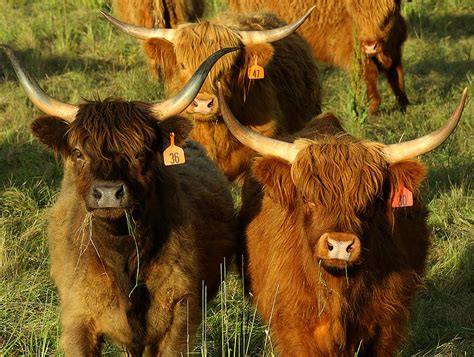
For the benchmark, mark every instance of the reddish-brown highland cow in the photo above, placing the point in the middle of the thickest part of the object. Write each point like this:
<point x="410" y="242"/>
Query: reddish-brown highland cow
<point x="290" y="88"/>
<point x="381" y="32"/>
<point x="336" y="249"/>
<point x="131" y="240"/>
<point x="158" y="13"/>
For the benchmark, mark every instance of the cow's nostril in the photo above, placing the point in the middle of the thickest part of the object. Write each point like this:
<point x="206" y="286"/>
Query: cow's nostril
<point x="119" y="194"/>
<point x="97" y="194"/>
<point x="350" y="247"/>
<point x="330" y="246"/>
<point x="211" y="103"/>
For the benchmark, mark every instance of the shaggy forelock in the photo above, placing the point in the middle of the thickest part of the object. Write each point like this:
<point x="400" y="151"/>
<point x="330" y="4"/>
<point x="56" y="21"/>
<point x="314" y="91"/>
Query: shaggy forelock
<point x="104" y="128"/>
<point x="196" y="42"/>
<point x="341" y="176"/>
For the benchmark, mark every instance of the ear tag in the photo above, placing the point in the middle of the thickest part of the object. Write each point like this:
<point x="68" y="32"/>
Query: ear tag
<point x="173" y="155"/>
<point x="255" y="71"/>
<point x="403" y="198"/>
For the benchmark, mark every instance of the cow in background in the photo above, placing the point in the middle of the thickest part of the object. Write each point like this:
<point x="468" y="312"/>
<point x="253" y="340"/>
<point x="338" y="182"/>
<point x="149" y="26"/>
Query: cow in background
<point x="336" y="236"/>
<point x="282" y="102"/>
<point x="131" y="240"/>
<point x="381" y="32"/>
<point x="158" y="13"/>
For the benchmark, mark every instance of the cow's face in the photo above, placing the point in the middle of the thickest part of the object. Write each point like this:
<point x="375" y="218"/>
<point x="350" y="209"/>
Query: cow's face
<point x="194" y="42"/>
<point x="113" y="153"/>
<point x="340" y="189"/>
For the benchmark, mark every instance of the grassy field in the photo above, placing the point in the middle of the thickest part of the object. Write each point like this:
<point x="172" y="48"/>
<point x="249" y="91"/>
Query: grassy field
<point x="75" y="54"/>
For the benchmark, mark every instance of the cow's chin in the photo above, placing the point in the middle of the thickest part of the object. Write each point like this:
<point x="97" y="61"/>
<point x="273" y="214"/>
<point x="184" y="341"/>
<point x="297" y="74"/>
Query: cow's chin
<point x="109" y="213"/>
<point x="202" y="118"/>
<point x="337" y="266"/>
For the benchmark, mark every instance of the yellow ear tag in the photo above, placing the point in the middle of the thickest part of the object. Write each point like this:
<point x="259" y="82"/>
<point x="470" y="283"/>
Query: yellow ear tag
<point x="173" y="155"/>
<point x="255" y="71"/>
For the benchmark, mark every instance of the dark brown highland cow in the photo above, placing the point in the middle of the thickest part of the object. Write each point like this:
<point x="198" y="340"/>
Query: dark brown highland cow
<point x="290" y="88"/>
<point x="158" y="13"/>
<point x="336" y="250"/>
<point x="330" y="30"/>
<point x="131" y="240"/>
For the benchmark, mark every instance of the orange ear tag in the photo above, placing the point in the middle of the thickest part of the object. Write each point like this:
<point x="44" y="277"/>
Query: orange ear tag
<point x="255" y="71"/>
<point x="173" y="155"/>
<point x="403" y="198"/>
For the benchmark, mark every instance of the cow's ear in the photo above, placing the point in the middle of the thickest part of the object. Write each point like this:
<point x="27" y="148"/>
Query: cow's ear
<point x="409" y="174"/>
<point x="52" y="132"/>
<point x="180" y="126"/>
<point x="263" y="52"/>
<point x="161" y="54"/>
<point x="275" y="175"/>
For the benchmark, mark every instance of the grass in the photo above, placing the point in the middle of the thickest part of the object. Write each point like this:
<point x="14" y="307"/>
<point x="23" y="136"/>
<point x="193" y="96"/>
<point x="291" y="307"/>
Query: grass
<point x="75" y="54"/>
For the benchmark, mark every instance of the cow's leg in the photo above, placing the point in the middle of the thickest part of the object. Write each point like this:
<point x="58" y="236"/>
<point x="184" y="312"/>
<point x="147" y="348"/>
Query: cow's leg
<point x="186" y="317"/>
<point x="373" y="95"/>
<point x="78" y="338"/>
<point x="386" y="346"/>
<point x="395" y="78"/>
<point x="293" y="340"/>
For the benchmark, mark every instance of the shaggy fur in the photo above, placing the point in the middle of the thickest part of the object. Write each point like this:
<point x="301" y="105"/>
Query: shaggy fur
<point x="336" y="185"/>
<point x="180" y="229"/>
<point x="330" y="31"/>
<point x="158" y="13"/>
<point x="282" y="102"/>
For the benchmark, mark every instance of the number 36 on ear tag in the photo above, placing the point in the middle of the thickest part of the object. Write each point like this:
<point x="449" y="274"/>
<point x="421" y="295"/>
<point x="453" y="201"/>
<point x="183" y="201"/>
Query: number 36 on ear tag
<point x="255" y="71"/>
<point x="173" y="155"/>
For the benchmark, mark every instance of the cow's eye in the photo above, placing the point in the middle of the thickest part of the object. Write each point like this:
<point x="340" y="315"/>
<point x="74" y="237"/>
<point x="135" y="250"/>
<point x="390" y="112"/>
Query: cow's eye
<point x="140" y="157"/>
<point x="78" y="154"/>
<point x="182" y="66"/>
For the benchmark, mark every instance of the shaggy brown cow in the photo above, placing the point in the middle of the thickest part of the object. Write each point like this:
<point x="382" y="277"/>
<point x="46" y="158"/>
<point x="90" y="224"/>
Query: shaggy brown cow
<point x="330" y="31"/>
<point x="336" y="249"/>
<point x="158" y="13"/>
<point x="131" y="241"/>
<point x="290" y="88"/>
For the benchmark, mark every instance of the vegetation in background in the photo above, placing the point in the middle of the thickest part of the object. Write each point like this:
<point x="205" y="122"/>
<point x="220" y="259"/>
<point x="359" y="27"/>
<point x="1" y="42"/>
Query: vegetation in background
<point x="357" y="101"/>
<point x="75" y="54"/>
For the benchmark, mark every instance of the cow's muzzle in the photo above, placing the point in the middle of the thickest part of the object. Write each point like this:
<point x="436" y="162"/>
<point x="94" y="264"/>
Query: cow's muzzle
<point x="108" y="194"/>
<point x="338" y="250"/>
<point x="205" y="104"/>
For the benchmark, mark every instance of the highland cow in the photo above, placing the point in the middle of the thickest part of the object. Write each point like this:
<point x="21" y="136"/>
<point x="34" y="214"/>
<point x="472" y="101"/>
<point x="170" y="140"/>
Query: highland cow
<point x="336" y="236"/>
<point x="289" y="89"/>
<point x="377" y="25"/>
<point x="131" y="240"/>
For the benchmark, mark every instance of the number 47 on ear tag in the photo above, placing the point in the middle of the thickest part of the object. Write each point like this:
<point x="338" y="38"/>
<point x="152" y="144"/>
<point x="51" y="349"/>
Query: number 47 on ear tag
<point x="255" y="71"/>
<point x="173" y="155"/>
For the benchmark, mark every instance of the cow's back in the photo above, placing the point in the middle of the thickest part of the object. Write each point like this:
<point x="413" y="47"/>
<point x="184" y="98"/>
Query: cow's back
<point x="150" y="13"/>
<point x="328" y="29"/>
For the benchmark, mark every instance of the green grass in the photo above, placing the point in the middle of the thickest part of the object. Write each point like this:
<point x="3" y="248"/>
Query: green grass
<point x="74" y="54"/>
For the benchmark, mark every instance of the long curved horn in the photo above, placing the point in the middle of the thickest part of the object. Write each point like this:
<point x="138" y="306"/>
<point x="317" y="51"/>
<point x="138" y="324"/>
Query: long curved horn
<point x="410" y="149"/>
<point x="260" y="143"/>
<point x="186" y="95"/>
<point x="262" y="36"/>
<point x="40" y="99"/>
<point x="142" y="33"/>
